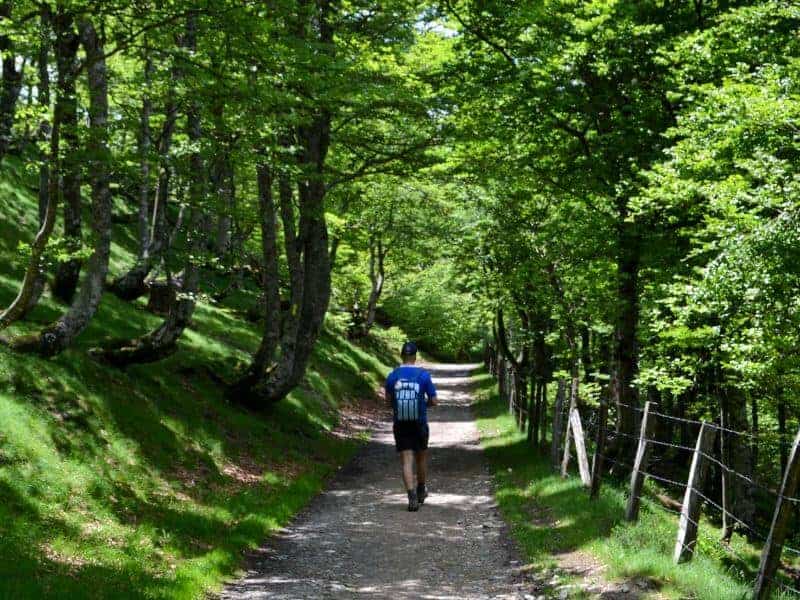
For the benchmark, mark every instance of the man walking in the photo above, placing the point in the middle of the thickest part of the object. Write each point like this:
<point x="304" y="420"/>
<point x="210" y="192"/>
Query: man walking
<point x="410" y="390"/>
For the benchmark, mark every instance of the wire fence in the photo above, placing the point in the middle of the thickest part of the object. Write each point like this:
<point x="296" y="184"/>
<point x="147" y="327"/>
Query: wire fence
<point x="716" y="498"/>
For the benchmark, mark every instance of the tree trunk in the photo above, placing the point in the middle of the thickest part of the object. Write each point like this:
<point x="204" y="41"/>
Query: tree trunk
<point x="162" y="341"/>
<point x="377" y="277"/>
<point x="33" y="281"/>
<point x="543" y="413"/>
<point x="626" y="358"/>
<point x="586" y="353"/>
<point x="154" y="236"/>
<point x="722" y="443"/>
<point x="225" y="221"/>
<point x="501" y="374"/>
<point x="782" y="443"/>
<point x="263" y="361"/>
<point x="669" y="425"/>
<point x="63" y="332"/>
<point x="307" y="249"/>
<point x="540" y="374"/>
<point x="11" y="83"/>
<point x="533" y="409"/>
<point x="296" y="349"/>
<point x="272" y="375"/>
<point x="222" y="180"/>
<point x="754" y="426"/>
<point x="574" y="386"/>
<point x="43" y="98"/>
<point x="741" y="460"/>
<point x="67" y="273"/>
<point x="689" y="394"/>
<point x="23" y="301"/>
<point x="143" y="217"/>
<point x="518" y="362"/>
<point x="335" y="243"/>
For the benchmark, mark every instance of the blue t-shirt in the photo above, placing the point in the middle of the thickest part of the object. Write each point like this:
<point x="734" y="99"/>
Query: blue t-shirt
<point x="409" y="388"/>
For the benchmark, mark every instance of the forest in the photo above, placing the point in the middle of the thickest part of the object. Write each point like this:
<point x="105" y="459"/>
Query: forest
<point x="600" y="193"/>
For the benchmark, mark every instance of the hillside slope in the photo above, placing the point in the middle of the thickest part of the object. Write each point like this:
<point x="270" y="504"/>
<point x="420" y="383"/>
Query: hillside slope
<point x="148" y="483"/>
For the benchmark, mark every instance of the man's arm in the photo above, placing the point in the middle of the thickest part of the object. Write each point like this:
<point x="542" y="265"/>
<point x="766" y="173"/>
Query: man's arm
<point x="388" y="389"/>
<point x="431" y="392"/>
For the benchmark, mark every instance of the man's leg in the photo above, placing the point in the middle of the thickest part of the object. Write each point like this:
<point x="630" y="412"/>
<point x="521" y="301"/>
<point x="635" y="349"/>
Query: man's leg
<point x="407" y="460"/>
<point x="421" y="458"/>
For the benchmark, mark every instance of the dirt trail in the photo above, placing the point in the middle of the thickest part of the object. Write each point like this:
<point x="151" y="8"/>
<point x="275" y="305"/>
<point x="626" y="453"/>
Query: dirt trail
<point x="357" y="540"/>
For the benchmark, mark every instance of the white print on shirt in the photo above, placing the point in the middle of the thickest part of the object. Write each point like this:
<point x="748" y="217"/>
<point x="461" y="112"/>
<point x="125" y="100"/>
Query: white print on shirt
<point x="406" y="395"/>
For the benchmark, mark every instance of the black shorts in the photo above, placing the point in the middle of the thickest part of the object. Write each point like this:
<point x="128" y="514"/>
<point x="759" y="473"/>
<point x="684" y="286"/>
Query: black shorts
<point x="411" y="435"/>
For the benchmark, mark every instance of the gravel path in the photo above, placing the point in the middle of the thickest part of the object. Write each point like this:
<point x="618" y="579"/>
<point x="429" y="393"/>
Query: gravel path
<point x="357" y="540"/>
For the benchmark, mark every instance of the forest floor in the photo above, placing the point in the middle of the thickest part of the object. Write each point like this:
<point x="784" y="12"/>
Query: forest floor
<point x="357" y="540"/>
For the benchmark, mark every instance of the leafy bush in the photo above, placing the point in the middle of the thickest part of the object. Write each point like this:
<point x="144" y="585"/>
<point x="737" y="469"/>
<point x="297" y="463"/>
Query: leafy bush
<point x="435" y="309"/>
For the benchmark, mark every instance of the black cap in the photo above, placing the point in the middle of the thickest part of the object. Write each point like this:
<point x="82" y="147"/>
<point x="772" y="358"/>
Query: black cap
<point x="409" y="349"/>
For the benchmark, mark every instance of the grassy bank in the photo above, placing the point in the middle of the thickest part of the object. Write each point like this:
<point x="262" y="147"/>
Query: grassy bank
<point x="550" y="515"/>
<point x="147" y="482"/>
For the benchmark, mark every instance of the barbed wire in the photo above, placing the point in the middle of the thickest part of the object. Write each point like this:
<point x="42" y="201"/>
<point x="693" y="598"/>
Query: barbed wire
<point x="669" y="444"/>
<point x="590" y="425"/>
<point x="633" y="408"/>
<point x="719" y="542"/>
<point x="789" y="498"/>
<point x="792" y="550"/>
<point x="608" y="459"/>
<point x="744" y="477"/>
<point x="725" y="511"/>
<point x="785" y="587"/>
<point x="664" y="479"/>
<point x="677" y="419"/>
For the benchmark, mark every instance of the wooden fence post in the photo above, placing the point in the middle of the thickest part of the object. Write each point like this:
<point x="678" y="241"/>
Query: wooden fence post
<point x="533" y="411"/>
<point x="771" y="555"/>
<point x="557" y="410"/>
<point x="522" y="409"/>
<point x="511" y="390"/>
<point x="565" y="453"/>
<point x="690" y="512"/>
<point x="573" y="402"/>
<point x="640" y="463"/>
<point x="599" y="449"/>
<point x="580" y="446"/>
<point x="501" y="376"/>
<point x="542" y="403"/>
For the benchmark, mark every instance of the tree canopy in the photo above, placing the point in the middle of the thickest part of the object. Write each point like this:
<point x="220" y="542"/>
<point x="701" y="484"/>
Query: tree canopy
<point x="602" y="190"/>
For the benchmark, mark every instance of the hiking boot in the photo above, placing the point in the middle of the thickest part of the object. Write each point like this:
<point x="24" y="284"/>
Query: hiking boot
<point x="422" y="493"/>
<point x="413" y="501"/>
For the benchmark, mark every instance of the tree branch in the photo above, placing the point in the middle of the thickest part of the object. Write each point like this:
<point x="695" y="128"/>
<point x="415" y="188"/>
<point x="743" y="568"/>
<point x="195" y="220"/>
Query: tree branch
<point x="480" y="35"/>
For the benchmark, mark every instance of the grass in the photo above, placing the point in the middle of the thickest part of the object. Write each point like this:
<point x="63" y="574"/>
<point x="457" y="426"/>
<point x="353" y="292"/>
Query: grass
<point x="549" y="515"/>
<point x="147" y="482"/>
